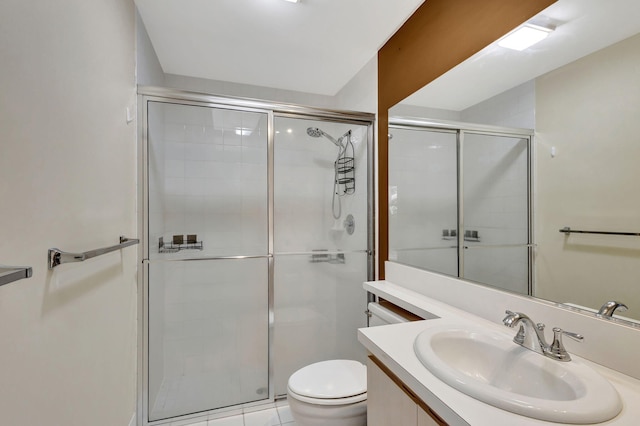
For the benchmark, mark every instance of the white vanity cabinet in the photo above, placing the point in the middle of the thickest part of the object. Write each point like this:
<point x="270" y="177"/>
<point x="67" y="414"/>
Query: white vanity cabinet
<point x="391" y="403"/>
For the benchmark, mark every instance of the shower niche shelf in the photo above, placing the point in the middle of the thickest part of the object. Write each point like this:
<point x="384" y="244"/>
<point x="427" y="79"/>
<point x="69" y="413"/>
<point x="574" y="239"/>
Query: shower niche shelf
<point x="319" y="256"/>
<point x="179" y="242"/>
<point x="451" y="234"/>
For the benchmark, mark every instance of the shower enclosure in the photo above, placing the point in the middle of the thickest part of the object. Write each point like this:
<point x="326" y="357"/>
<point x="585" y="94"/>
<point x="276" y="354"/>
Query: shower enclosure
<point x="459" y="200"/>
<point x="255" y="248"/>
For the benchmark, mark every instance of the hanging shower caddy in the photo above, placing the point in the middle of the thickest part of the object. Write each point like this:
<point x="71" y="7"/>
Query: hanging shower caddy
<point x="345" y="168"/>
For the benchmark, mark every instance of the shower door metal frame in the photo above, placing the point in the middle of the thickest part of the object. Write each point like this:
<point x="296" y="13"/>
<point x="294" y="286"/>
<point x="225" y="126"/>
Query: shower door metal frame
<point x="148" y="94"/>
<point x="461" y="129"/>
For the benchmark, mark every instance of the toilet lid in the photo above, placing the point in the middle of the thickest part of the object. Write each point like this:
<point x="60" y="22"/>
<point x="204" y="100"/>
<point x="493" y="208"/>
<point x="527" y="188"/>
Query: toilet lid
<point x="330" y="379"/>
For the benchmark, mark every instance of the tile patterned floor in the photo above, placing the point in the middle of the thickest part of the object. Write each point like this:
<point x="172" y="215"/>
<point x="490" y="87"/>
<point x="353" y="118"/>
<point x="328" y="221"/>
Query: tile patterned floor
<point x="279" y="415"/>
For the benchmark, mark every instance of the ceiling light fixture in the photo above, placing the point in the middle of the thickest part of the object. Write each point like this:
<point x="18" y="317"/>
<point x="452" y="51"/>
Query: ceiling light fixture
<point x="525" y="36"/>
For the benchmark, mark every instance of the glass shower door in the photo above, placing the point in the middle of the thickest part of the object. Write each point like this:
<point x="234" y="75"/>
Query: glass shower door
<point x="320" y="243"/>
<point x="496" y="210"/>
<point x="208" y="260"/>
<point x="423" y="204"/>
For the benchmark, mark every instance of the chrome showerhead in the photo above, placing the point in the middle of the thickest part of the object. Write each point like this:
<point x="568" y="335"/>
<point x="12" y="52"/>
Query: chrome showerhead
<point x="314" y="132"/>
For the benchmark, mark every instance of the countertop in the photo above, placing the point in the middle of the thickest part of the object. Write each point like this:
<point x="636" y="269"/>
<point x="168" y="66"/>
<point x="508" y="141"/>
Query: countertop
<point x="393" y="345"/>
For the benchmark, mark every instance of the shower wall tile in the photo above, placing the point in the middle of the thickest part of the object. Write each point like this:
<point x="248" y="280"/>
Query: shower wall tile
<point x="213" y="135"/>
<point x="233" y="154"/>
<point x="174" y="312"/>
<point x="194" y="151"/>
<point x="196" y="134"/>
<point x="174" y="168"/>
<point x="253" y="155"/>
<point x="255" y="174"/>
<point x="174" y="132"/>
<point x="231" y="138"/>
<point x="193" y="169"/>
<point x="173" y="150"/>
<point x="174" y="186"/>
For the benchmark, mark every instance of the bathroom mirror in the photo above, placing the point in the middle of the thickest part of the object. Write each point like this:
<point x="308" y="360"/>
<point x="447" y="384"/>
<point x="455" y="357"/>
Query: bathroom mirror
<point x="579" y="90"/>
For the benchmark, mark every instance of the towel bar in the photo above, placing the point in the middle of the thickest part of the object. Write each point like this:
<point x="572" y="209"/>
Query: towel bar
<point x="9" y="274"/>
<point x="568" y="231"/>
<point x="58" y="257"/>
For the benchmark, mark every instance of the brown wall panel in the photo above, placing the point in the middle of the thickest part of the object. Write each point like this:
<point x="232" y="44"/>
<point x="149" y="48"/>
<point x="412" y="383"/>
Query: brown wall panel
<point x="436" y="38"/>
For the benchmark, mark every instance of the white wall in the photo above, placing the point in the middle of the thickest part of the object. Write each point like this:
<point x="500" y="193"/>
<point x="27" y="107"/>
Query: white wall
<point x="512" y="108"/>
<point x="148" y="69"/>
<point x="225" y="88"/>
<point x="589" y="111"/>
<point x="67" y="180"/>
<point x="361" y="92"/>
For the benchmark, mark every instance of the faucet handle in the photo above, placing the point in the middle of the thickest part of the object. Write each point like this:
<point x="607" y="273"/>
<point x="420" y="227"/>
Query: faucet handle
<point x="556" y="350"/>
<point x="575" y="336"/>
<point x="511" y="318"/>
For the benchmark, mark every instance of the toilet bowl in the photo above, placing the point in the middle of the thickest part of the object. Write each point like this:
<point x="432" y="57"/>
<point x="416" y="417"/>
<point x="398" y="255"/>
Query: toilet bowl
<point x="334" y="392"/>
<point x="329" y="393"/>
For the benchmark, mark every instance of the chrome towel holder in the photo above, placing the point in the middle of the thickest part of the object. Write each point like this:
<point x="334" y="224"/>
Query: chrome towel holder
<point x="9" y="274"/>
<point x="58" y="257"/>
<point x="567" y="230"/>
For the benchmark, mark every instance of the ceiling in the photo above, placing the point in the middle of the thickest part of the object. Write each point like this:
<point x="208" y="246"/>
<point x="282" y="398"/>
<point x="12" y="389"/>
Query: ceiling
<point x="315" y="46"/>
<point x="582" y="27"/>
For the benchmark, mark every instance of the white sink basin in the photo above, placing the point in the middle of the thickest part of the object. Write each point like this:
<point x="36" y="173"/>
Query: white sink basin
<point x="490" y="367"/>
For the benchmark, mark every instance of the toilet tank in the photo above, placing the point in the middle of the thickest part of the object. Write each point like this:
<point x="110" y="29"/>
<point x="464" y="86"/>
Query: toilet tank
<point x="383" y="316"/>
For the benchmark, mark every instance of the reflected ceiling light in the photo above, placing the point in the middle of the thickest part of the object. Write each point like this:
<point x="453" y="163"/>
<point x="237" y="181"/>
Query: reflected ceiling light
<point x="292" y="1"/>
<point x="525" y="36"/>
<point x="243" y="131"/>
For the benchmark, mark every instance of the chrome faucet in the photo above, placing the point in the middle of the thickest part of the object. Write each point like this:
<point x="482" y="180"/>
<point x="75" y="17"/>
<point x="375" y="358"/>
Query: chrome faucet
<point x="610" y="307"/>
<point x="531" y="336"/>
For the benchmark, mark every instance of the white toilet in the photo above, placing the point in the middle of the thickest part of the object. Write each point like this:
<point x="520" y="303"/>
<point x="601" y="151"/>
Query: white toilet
<point x="334" y="392"/>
